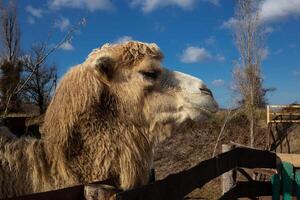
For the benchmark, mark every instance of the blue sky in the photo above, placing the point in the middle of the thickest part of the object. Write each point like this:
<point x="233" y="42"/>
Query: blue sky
<point x="194" y="35"/>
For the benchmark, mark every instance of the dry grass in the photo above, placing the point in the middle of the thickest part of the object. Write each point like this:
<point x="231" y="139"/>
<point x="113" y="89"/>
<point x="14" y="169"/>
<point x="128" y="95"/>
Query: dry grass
<point x="186" y="149"/>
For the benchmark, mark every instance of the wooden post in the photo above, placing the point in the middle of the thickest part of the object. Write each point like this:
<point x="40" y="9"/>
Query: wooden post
<point x="268" y="114"/>
<point x="99" y="192"/>
<point x="152" y="175"/>
<point x="228" y="178"/>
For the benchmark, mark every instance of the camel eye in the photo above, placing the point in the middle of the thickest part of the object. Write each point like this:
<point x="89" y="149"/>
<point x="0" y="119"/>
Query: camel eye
<point x="150" y="75"/>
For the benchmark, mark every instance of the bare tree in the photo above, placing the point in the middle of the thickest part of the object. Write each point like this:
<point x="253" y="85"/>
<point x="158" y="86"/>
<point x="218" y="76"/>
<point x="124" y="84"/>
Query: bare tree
<point x="249" y="37"/>
<point x="11" y="65"/>
<point x="21" y="84"/>
<point x="39" y="88"/>
<point x="10" y="77"/>
<point x="10" y="31"/>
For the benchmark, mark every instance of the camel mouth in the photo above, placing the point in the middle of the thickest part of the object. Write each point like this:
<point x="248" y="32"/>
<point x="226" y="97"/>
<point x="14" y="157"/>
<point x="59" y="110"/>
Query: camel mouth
<point x="209" y="110"/>
<point x="212" y="111"/>
<point x="206" y="113"/>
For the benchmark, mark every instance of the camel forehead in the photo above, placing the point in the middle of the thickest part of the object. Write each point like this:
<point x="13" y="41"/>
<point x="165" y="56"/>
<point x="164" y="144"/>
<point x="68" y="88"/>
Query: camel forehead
<point x="126" y="54"/>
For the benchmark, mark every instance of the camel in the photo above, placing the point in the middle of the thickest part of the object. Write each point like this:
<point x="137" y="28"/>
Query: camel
<point x="104" y="121"/>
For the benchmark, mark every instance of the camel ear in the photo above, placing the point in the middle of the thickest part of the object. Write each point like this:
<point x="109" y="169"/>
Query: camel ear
<point x="105" y="65"/>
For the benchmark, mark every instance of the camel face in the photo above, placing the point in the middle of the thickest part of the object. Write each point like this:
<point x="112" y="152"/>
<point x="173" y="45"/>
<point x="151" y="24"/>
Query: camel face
<point x="195" y="100"/>
<point x="176" y="98"/>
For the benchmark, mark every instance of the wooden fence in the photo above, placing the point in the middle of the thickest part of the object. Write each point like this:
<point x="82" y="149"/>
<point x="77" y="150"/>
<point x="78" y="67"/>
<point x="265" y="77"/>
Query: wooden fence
<point x="283" y="114"/>
<point x="281" y="120"/>
<point x="176" y="186"/>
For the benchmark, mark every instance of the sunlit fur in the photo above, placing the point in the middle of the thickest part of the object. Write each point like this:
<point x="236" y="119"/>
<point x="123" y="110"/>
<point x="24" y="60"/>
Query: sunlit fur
<point x="99" y="125"/>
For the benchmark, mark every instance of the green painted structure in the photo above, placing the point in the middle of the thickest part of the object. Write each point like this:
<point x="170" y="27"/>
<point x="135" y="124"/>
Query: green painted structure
<point x="286" y="181"/>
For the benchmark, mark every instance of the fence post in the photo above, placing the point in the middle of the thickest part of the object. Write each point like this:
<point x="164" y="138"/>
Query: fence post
<point x="99" y="192"/>
<point x="228" y="178"/>
<point x="268" y="114"/>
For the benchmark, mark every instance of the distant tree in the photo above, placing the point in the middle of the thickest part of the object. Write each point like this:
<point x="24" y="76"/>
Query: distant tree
<point x="10" y="65"/>
<point x="39" y="88"/>
<point x="10" y="77"/>
<point x="10" y="31"/>
<point x="35" y="66"/>
<point x="249" y="37"/>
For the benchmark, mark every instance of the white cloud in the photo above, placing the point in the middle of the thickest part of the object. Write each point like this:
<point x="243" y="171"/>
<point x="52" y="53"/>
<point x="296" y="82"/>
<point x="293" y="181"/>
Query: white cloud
<point x="210" y="41"/>
<point x="278" y="51"/>
<point x="296" y="73"/>
<point x="150" y="5"/>
<point x="67" y="46"/>
<point x="270" y="11"/>
<point x="158" y="27"/>
<point x="31" y="20"/>
<point x="218" y="82"/>
<point x="292" y="46"/>
<point x="123" y="39"/>
<point x="264" y="53"/>
<point x="195" y="54"/>
<point x="277" y="9"/>
<point x="91" y="5"/>
<point x="215" y="2"/>
<point x="36" y="12"/>
<point x="63" y="23"/>
<point x="229" y="24"/>
<point x="220" y="58"/>
<point x="269" y="29"/>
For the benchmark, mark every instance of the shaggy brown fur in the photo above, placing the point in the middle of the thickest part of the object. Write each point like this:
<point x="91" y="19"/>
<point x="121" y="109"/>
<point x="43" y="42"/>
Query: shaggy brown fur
<point x="100" y="125"/>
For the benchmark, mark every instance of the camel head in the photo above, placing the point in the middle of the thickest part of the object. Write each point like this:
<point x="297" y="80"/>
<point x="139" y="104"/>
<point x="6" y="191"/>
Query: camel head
<point x="148" y="94"/>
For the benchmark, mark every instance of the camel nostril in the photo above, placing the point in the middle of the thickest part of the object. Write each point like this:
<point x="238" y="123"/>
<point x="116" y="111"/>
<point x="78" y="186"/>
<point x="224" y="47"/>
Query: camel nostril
<point x="206" y="91"/>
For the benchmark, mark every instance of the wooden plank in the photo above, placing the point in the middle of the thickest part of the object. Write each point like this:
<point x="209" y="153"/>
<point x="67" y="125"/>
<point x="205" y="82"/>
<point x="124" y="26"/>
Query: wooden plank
<point x="71" y="193"/>
<point x="254" y="158"/>
<point x="268" y="172"/>
<point x="271" y="113"/>
<point x="176" y="186"/>
<point x="284" y="106"/>
<point x="251" y="190"/>
<point x="285" y="114"/>
<point x="294" y="159"/>
<point x="284" y="121"/>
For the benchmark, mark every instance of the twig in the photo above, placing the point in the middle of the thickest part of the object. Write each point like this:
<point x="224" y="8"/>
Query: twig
<point x="228" y="118"/>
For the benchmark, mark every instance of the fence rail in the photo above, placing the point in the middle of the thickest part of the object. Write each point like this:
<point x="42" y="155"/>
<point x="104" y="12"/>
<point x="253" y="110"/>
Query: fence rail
<point x="283" y="114"/>
<point x="176" y="186"/>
